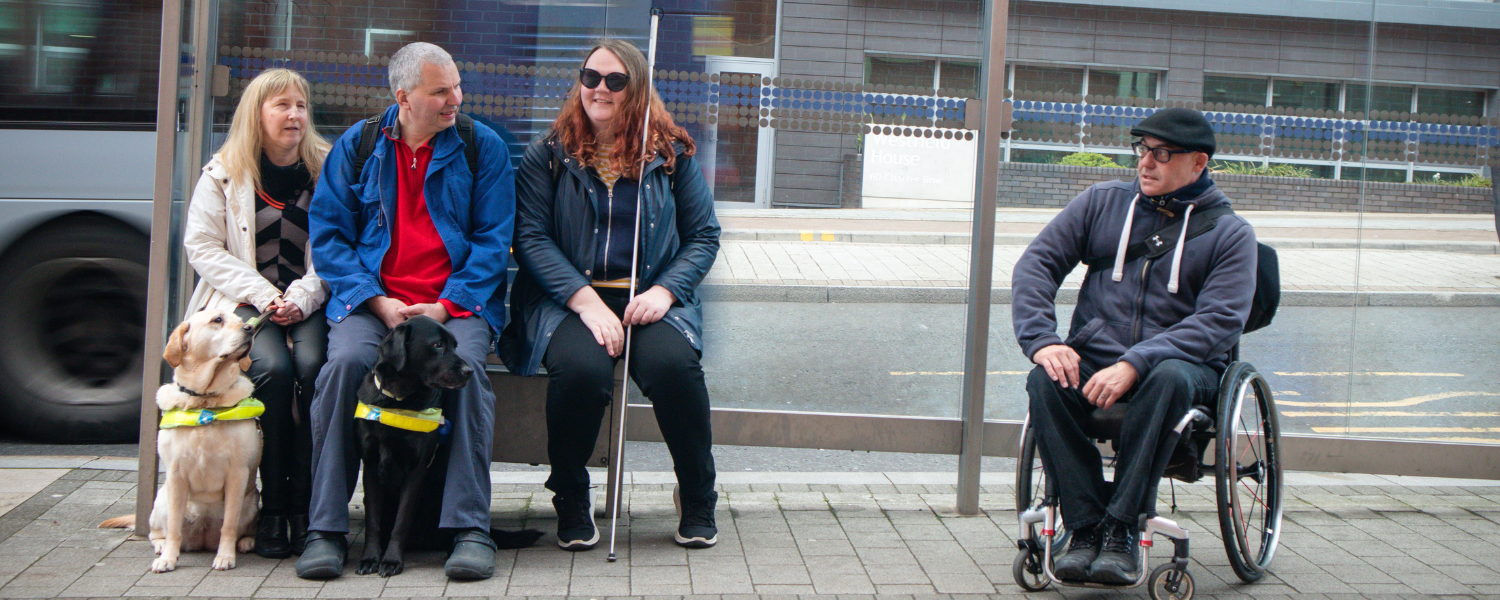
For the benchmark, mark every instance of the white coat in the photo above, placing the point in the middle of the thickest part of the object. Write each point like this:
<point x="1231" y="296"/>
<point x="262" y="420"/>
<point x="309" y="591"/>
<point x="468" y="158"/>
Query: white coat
<point x="220" y="244"/>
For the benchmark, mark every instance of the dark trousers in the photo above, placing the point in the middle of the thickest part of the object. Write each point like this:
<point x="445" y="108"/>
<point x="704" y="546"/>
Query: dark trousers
<point x="353" y="346"/>
<point x="1157" y="403"/>
<point x="580" y="382"/>
<point x="284" y="380"/>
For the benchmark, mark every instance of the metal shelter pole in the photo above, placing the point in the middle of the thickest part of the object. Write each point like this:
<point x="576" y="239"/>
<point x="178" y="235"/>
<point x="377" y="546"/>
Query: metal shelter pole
<point x="982" y="257"/>
<point x="161" y="219"/>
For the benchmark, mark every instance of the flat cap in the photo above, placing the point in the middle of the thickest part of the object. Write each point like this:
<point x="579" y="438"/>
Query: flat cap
<point x="1182" y="127"/>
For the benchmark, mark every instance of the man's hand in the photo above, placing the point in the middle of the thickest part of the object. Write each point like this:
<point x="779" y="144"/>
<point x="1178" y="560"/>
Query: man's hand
<point x="1109" y="384"/>
<point x="387" y="309"/>
<point x="433" y="309"/>
<point x="600" y="320"/>
<point x="286" y="313"/>
<point x="649" y="306"/>
<point x="1061" y="363"/>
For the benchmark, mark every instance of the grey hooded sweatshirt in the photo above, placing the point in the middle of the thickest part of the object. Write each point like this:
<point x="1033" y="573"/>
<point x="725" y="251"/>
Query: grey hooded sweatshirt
<point x="1190" y="304"/>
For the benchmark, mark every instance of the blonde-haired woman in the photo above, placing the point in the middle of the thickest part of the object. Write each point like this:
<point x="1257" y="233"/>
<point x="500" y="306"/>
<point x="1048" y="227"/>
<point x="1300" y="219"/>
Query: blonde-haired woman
<point x="247" y="239"/>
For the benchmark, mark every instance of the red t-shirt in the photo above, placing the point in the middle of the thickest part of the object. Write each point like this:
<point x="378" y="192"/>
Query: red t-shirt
<point x="417" y="265"/>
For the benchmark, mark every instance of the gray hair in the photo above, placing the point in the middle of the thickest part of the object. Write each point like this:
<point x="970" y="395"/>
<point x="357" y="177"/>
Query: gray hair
<point x="406" y="64"/>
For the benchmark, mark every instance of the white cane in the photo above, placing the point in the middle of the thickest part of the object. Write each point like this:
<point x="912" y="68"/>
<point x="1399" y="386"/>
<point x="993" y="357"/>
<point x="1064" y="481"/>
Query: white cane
<point x="635" y="250"/>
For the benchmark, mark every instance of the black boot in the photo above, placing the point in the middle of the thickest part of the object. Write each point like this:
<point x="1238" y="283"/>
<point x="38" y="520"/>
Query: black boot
<point x="271" y="537"/>
<point x="297" y="526"/>
<point x="1083" y="548"/>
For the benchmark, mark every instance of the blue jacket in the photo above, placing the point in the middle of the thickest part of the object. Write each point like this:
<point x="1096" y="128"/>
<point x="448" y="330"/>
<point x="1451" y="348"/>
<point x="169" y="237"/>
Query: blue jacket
<point x="1138" y="319"/>
<point x="349" y="220"/>
<point x="555" y="245"/>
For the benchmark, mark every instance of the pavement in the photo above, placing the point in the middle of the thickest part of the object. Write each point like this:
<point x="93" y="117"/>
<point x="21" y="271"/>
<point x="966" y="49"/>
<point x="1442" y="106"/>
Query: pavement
<point x="782" y="536"/>
<point x="922" y="255"/>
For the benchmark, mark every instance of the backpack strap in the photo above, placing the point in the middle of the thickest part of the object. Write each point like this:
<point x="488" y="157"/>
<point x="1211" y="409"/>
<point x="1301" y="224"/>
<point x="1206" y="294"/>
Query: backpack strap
<point x="367" y="138"/>
<point x="465" y="128"/>
<point x="371" y="134"/>
<point x="1163" y="240"/>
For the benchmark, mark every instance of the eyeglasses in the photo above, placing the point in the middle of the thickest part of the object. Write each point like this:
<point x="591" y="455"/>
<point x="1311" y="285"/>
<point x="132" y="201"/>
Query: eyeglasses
<point x="614" y="81"/>
<point x="1162" y="155"/>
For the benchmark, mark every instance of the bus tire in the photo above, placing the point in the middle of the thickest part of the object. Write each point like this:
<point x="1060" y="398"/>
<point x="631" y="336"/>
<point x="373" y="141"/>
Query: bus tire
<point x="72" y="326"/>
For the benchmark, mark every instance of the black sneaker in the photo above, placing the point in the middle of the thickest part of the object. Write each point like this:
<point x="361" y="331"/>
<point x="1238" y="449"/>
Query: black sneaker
<point x="695" y="525"/>
<point x="1083" y="548"/>
<point x="575" y="521"/>
<point x="1117" y="563"/>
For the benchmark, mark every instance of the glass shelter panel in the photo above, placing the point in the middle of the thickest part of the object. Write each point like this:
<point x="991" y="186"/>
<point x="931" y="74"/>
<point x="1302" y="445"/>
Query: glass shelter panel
<point x="805" y="310"/>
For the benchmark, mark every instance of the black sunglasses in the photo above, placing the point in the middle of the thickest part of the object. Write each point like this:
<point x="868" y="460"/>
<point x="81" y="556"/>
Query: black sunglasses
<point x="614" y="81"/>
<point x="1162" y="155"/>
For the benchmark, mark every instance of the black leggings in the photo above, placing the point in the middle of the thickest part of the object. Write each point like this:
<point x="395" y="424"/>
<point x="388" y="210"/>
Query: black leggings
<point x="580" y="382"/>
<point x="284" y="382"/>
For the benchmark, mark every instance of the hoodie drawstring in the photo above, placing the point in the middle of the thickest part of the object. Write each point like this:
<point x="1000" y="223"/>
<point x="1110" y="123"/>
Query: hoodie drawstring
<point x="1177" y="254"/>
<point x="1124" y="241"/>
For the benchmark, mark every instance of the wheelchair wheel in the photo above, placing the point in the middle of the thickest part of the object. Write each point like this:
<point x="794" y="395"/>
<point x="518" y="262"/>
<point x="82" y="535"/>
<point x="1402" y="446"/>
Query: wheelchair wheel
<point x="1027" y="569"/>
<point x="1167" y="581"/>
<point x="1031" y="490"/>
<point x="1247" y="471"/>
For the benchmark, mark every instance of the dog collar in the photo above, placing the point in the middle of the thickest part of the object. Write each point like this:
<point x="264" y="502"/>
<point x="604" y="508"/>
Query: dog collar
<point x="382" y="390"/>
<point x="248" y="408"/>
<point x="190" y="392"/>
<point x="410" y="420"/>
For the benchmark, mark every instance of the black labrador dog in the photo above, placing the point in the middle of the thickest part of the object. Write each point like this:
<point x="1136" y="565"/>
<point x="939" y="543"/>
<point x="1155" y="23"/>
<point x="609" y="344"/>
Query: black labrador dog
<point x="417" y="361"/>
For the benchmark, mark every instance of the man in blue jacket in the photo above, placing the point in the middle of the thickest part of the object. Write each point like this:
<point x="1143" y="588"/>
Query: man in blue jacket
<point x="411" y="232"/>
<point x="1154" y="333"/>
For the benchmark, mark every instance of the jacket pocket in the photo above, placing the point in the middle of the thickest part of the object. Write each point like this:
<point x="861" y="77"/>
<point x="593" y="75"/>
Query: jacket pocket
<point x="1083" y="335"/>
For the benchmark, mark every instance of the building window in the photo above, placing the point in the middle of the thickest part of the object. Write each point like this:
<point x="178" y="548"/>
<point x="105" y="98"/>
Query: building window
<point x="1305" y="94"/>
<point x="959" y="79"/>
<point x="1439" y="101"/>
<point x="908" y="72"/>
<point x="1029" y="81"/>
<point x="1384" y="98"/>
<point x="1234" y="90"/>
<point x="1122" y="84"/>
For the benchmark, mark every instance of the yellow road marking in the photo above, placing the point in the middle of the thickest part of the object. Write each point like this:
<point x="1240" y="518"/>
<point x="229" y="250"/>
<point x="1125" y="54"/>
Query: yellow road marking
<point x="807" y="236"/>
<point x="827" y="236"/>
<point x="1385" y="413"/>
<point x="1288" y="393"/>
<point x="1392" y="404"/>
<point x="1366" y="373"/>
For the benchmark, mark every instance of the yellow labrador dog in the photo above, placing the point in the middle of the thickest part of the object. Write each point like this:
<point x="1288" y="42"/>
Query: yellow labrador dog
<point x="209" y="500"/>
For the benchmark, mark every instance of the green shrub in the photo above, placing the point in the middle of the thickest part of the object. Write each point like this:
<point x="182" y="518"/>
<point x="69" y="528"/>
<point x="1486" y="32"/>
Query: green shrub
<point x="1088" y="159"/>
<point x="1249" y="168"/>
<point x="1470" y="181"/>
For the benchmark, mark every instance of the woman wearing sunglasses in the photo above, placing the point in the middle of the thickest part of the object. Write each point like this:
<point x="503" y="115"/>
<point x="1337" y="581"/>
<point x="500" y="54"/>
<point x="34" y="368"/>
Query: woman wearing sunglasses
<point x="576" y="203"/>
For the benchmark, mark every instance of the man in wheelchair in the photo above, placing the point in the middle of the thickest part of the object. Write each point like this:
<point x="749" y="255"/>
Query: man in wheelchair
<point x="1153" y="328"/>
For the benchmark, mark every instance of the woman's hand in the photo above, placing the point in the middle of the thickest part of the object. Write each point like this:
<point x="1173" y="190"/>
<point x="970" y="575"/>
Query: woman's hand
<point x="649" y="306"/>
<point x="286" y="313"/>
<point x="600" y="320"/>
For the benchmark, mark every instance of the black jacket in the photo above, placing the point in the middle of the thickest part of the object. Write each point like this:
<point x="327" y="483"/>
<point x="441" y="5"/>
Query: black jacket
<point x="555" y="244"/>
<point x="1137" y="319"/>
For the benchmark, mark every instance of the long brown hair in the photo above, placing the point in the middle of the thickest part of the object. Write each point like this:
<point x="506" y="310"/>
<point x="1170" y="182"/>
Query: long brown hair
<point x="576" y="133"/>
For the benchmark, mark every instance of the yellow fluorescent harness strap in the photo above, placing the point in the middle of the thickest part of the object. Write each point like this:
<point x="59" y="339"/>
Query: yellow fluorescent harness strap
<point x="411" y="420"/>
<point x="248" y="408"/>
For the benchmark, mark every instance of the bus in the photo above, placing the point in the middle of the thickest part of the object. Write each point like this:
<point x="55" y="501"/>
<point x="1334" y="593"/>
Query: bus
<point x="78" y="87"/>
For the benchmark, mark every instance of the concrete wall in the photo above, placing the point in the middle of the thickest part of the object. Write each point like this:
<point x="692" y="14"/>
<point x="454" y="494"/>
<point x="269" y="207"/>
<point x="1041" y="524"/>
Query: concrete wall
<point x="1050" y="186"/>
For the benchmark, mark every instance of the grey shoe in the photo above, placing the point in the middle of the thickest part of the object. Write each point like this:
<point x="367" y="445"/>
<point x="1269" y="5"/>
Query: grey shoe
<point x="324" y="556"/>
<point x="1083" y="548"/>
<point x="1117" y="563"/>
<point x="473" y="556"/>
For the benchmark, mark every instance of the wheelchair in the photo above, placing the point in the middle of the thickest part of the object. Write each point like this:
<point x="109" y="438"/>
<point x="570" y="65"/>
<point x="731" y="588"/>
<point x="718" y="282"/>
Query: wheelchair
<point x="1247" y="471"/>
